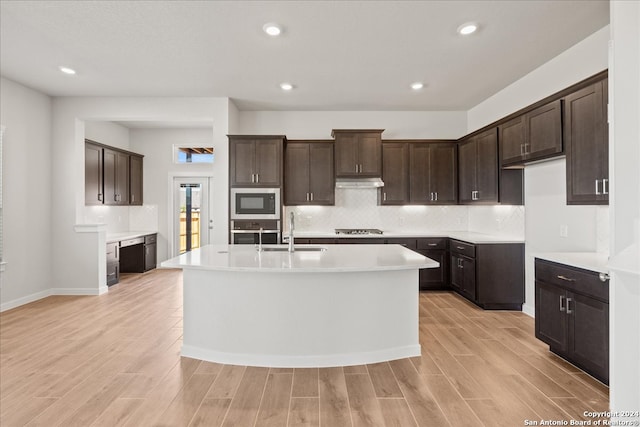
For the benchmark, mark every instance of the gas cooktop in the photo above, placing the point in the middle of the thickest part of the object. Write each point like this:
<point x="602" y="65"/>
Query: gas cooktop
<point x="359" y="231"/>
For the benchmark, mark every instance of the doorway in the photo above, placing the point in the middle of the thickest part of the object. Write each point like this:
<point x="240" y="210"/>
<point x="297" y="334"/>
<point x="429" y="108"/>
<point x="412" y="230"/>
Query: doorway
<point x="192" y="223"/>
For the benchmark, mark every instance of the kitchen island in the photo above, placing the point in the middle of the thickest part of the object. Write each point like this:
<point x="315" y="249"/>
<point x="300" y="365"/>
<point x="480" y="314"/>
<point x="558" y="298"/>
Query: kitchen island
<point x="335" y="305"/>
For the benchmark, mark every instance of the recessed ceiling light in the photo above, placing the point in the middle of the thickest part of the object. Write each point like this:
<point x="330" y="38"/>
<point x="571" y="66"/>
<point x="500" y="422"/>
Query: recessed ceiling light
<point x="272" y="29"/>
<point x="286" y="86"/>
<point x="417" y="85"/>
<point x="67" y="70"/>
<point x="468" y="28"/>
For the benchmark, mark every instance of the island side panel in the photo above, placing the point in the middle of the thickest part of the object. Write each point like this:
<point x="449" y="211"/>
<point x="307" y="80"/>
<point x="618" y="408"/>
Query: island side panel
<point x="300" y="319"/>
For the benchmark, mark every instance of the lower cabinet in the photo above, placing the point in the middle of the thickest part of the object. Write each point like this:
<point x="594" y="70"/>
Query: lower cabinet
<point x="150" y="252"/>
<point x="436" y="249"/>
<point x="113" y="263"/>
<point x="490" y="275"/>
<point x="572" y="315"/>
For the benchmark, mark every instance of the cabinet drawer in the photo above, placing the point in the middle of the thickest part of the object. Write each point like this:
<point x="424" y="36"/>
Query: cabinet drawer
<point x="433" y="243"/>
<point x="131" y="242"/>
<point x="407" y="243"/>
<point x="151" y="238"/>
<point x="574" y="279"/>
<point x="462" y="248"/>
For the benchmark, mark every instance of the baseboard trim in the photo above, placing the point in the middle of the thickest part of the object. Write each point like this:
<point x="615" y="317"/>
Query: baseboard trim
<point x="529" y="310"/>
<point x="49" y="292"/>
<point x="25" y="300"/>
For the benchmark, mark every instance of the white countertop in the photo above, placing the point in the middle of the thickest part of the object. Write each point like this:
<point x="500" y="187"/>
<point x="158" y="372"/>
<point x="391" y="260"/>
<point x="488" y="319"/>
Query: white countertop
<point x="126" y="235"/>
<point x="586" y="260"/>
<point x="471" y="237"/>
<point x="337" y="258"/>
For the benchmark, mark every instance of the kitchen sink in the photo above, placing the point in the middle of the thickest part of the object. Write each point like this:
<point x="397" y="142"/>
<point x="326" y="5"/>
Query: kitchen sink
<point x="297" y="249"/>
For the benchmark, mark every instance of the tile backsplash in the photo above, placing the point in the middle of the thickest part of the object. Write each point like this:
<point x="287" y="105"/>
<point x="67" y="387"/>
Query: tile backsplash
<point x="358" y="208"/>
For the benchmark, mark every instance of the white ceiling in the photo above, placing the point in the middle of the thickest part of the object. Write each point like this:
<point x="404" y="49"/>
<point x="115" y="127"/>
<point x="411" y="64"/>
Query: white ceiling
<point x="340" y="55"/>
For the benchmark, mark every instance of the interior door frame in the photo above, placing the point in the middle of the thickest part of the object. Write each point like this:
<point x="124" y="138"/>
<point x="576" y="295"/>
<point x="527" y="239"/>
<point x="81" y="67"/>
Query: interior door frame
<point x="206" y="231"/>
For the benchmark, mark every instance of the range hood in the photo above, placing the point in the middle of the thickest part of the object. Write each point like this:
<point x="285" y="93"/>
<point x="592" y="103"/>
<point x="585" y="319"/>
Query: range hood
<point x="359" y="183"/>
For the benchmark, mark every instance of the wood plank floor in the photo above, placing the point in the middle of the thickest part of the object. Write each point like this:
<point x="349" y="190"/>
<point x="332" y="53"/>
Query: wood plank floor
<point x="114" y="360"/>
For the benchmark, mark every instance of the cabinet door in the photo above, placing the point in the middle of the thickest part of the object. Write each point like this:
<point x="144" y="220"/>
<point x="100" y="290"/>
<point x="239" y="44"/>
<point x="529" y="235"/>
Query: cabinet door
<point x="110" y="177"/>
<point x="434" y="278"/>
<point x="93" y="192"/>
<point x="268" y="161"/>
<point x="242" y="162"/>
<point x="321" y="177"/>
<point x="395" y="174"/>
<point x="149" y="256"/>
<point x="122" y="178"/>
<point x="135" y="180"/>
<point x="467" y="170"/>
<point x="586" y="146"/>
<point x="419" y="174"/>
<point x="589" y="334"/>
<point x="346" y="147"/>
<point x="468" y="286"/>
<point x="551" y="317"/>
<point x="544" y="131"/>
<point x="487" y="167"/>
<point x="512" y="141"/>
<point x="457" y="272"/>
<point x="297" y="171"/>
<point x="370" y="155"/>
<point x="443" y="174"/>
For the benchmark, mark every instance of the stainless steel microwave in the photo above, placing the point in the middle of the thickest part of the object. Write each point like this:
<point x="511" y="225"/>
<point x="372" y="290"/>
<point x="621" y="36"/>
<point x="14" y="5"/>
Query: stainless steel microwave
<point x="255" y="203"/>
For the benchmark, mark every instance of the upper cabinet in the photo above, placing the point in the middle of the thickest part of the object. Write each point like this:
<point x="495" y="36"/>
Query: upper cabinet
<point x="308" y="173"/>
<point x="112" y="176"/>
<point x="433" y="173"/>
<point x="255" y="161"/>
<point x="395" y="174"/>
<point x="478" y="168"/>
<point x="358" y="153"/>
<point x="532" y="136"/>
<point x="587" y="145"/>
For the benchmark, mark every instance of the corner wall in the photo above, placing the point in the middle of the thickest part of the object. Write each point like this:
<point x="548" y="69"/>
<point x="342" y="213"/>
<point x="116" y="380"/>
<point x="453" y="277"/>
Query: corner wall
<point x="27" y="193"/>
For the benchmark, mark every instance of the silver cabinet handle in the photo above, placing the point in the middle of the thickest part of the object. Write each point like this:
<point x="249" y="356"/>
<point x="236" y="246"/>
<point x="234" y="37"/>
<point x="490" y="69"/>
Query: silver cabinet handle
<point x="474" y="195"/>
<point x="253" y="178"/>
<point x="100" y="197"/>
<point x="605" y="186"/>
<point x="460" y="247"/>
<point x="603" y="277"/>
<point x="133" y="197"/>
<point x="360" y="168"/>
<point x="522" y="153"/>
<point x="567" y="279"/>
<point x="436" y="194"/>
<point x="431" y="197"/>
<point x="257" y="178"/>
<point x="307" y="196"/>
<point x="526" y="149"/>
<point x="597" y="188"/>
<point x="432" y="244"/>
<point x="384" y="197"/>
<point x="562" y="308"/>
<point x="569" y="311"/>
<point x="356" y="168"/>
<point x="311" y="196"/>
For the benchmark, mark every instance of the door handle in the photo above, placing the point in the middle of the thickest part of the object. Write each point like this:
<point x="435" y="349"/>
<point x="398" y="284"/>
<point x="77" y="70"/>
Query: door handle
<point x="384" y="197"/>
<point x="562" y="308"/>
<point x="569" y="311"/>
<point x="356" y="168"/>
<point x="566" y="279"/>
<point x="311" y="196"/>
<point x="257" y="178"/>
<point x="597" y="188"/>
<point x="605" y="186"/>
<point x="432" y="244"/>
<point x="436" y="194"/>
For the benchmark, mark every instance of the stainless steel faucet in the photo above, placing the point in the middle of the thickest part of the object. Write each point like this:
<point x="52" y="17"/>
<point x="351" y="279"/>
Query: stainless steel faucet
<point x="291" y="226"/>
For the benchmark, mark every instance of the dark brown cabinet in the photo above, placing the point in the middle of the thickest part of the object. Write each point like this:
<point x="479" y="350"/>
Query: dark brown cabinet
<point x="116" y="177"/>
<point x="395" y="174"/>
<point x="111" y="176"/>
<point x="572" y="315"/>
<point x="433" y="173"/>
<point x="436" y="249"/>
<point x="358" y="153"/>
<point x="490" y="275"/>
<point x="150" y="251"/>
<point x="532" y="136"/>
<point x="587" y="145"/>
<point x="93" y="163"/>
<point x="478" y="168"/>
<point x="255" y="161"/>
<point x="309" y="177"/>
<point x="138" y="254"/>
<point x="135" y="180"/>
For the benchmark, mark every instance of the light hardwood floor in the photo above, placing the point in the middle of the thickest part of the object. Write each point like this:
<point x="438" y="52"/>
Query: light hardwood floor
<point x="114" y="360"/>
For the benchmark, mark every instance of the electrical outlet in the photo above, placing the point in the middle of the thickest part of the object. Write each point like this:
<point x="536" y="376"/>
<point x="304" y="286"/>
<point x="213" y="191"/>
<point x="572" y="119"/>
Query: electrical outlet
<point x="564" y="230"/>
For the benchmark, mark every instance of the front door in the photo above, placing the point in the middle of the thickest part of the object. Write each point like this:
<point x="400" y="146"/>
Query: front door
<point x="192" y="222"/>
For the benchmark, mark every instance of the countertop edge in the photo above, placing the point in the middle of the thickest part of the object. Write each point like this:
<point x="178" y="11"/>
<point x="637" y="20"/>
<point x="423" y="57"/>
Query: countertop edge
<point x="592" y="261"/>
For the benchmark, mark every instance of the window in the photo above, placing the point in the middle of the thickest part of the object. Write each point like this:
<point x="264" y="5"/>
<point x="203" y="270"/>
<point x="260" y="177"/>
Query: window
<point x="189" y="154"/>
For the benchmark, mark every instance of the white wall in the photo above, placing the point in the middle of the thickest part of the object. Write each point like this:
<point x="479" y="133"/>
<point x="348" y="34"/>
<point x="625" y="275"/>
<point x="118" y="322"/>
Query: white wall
<point x="68" y="131"/>
<point x="27" y="191"/>
<point x="157" y="147"/>
<point x="318" y="124"/>
<point x="545" y="205"/>
<point x="624" y="149"/>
